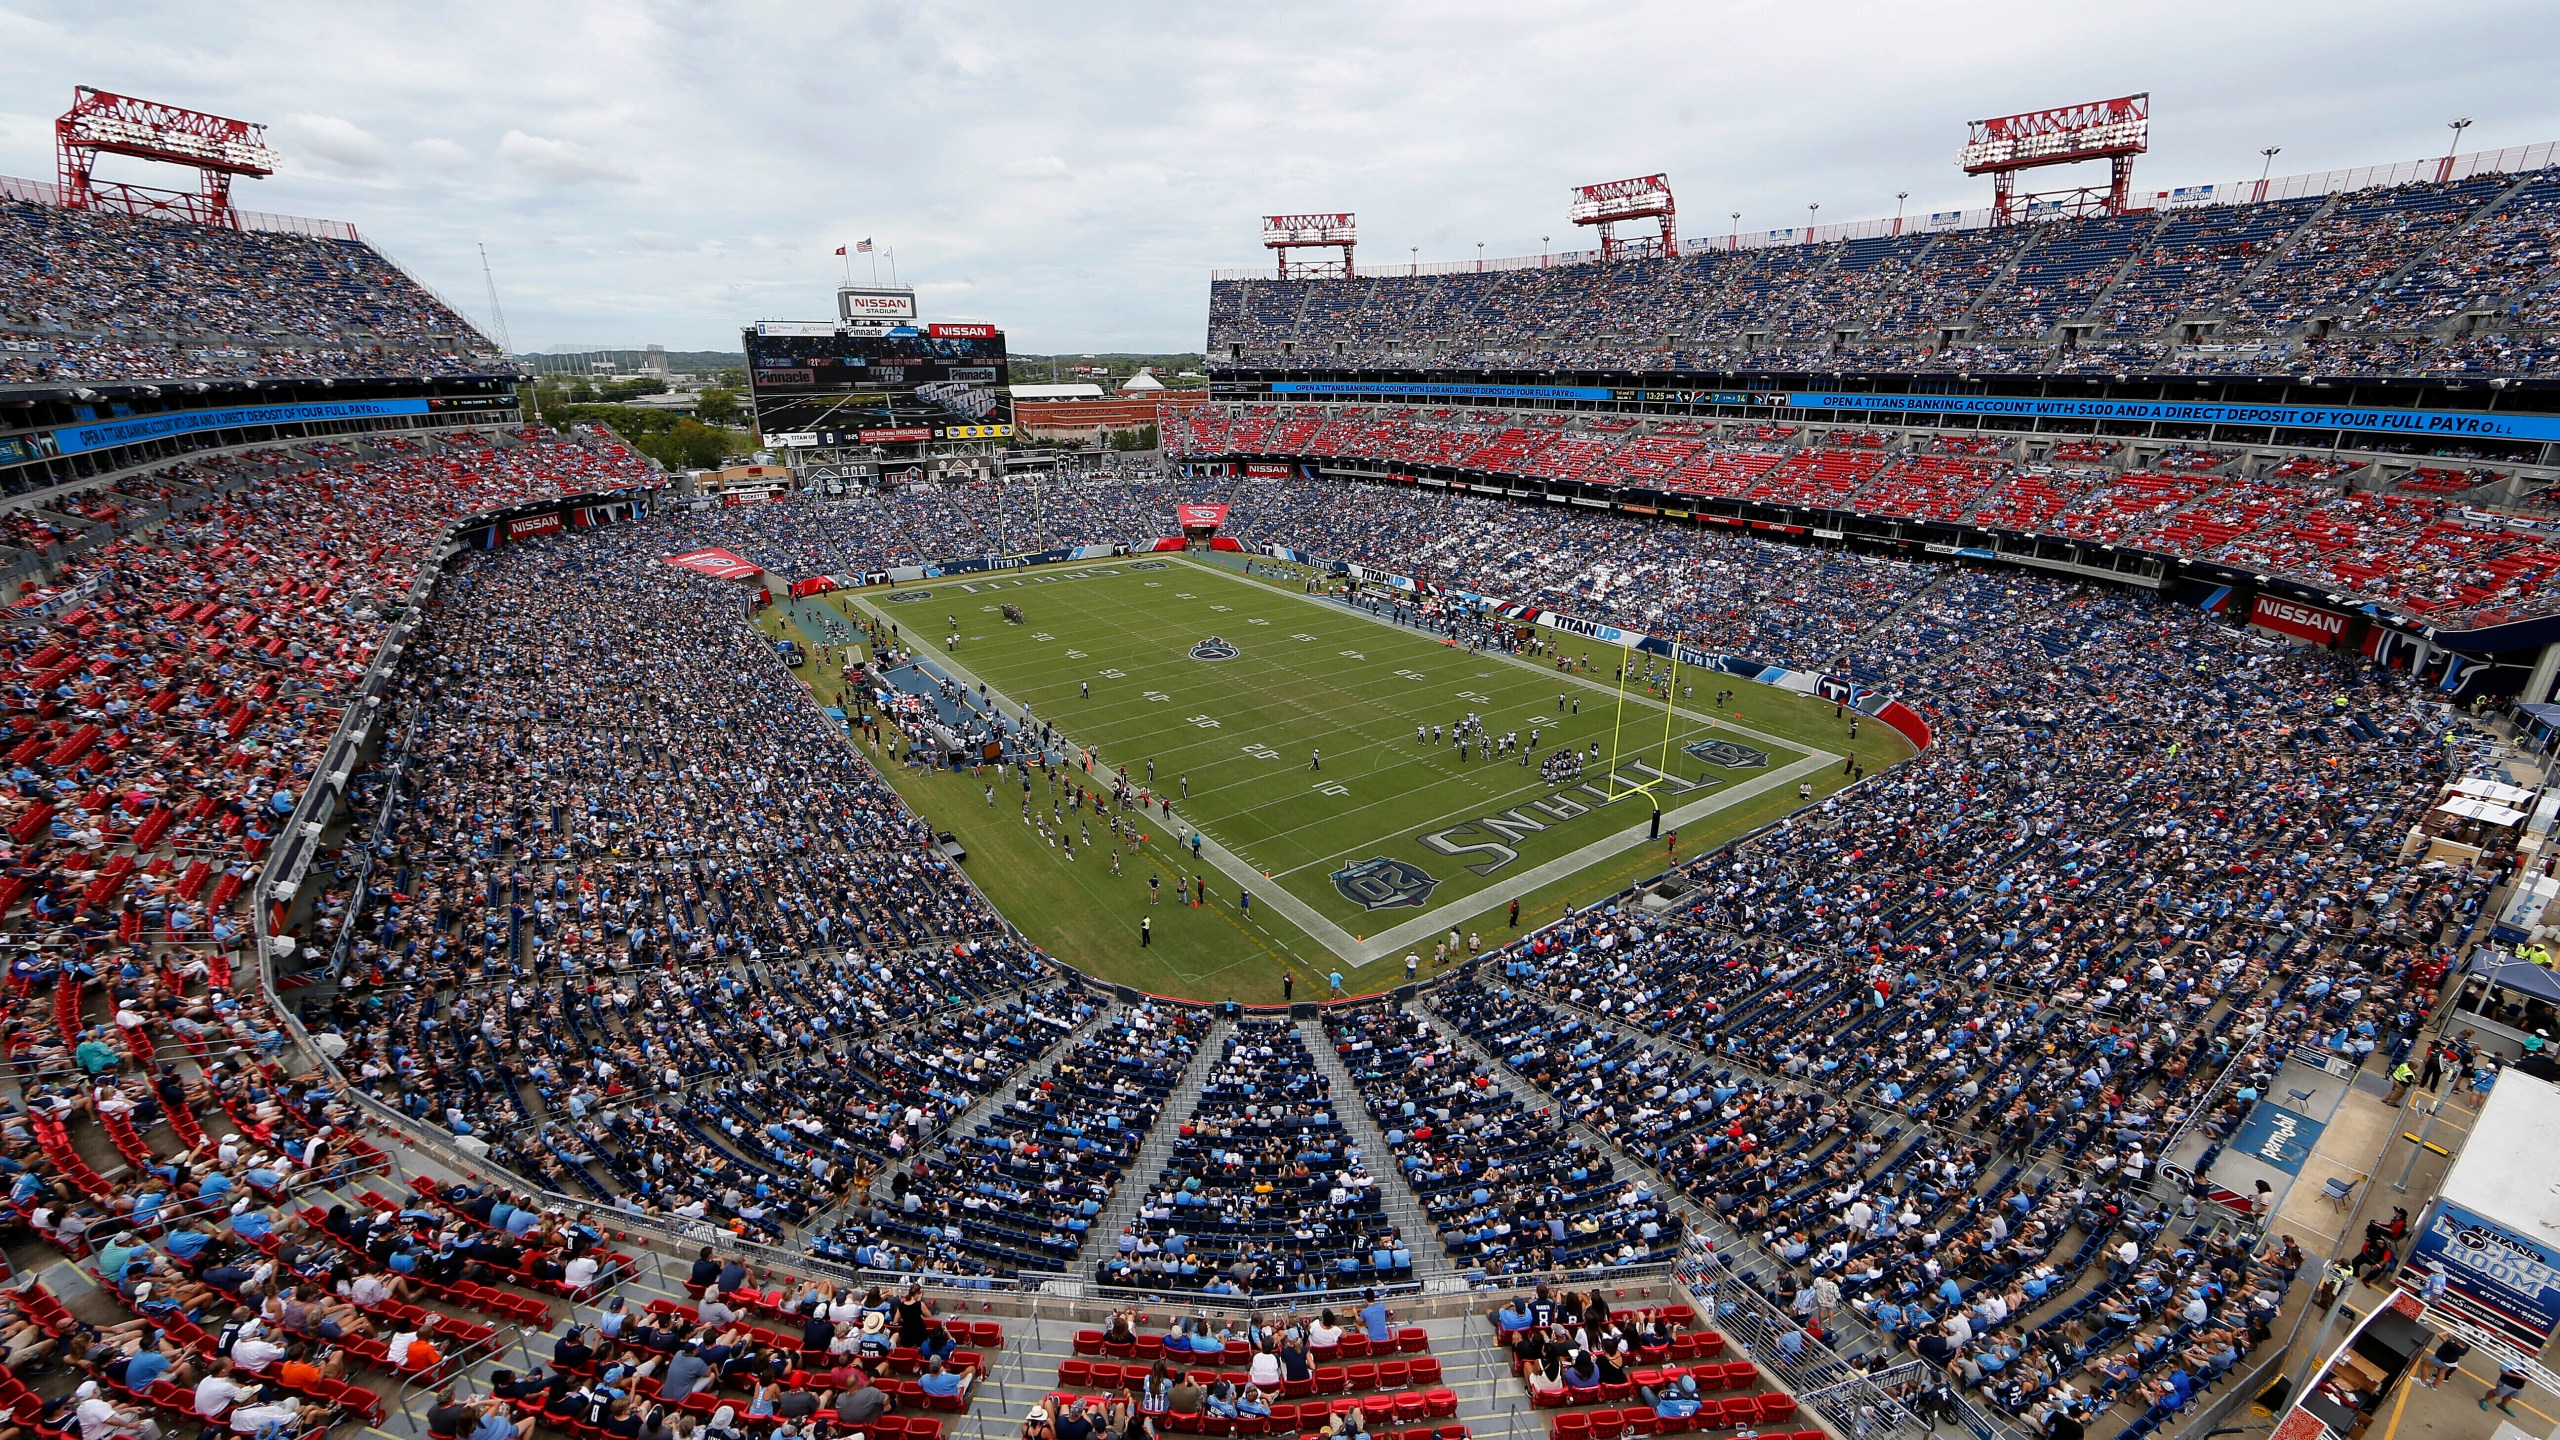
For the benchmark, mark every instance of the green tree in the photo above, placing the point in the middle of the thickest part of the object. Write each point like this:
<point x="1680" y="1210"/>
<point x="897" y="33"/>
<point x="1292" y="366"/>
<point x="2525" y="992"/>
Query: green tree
<point x="734" y="377"/>
<point x="686" y="445"/>
<point x="719" y="405"/>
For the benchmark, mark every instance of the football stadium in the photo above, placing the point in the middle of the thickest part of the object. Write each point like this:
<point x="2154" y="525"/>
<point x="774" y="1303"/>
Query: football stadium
<point x="1881" y="828"/>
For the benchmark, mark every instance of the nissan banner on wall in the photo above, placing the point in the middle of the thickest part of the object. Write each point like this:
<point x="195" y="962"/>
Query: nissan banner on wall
<point x="2295" y="619"/>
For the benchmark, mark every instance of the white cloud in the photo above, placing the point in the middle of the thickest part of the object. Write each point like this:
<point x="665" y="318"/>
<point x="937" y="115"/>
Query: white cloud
<point x="1035" y="167"/>
<point x="338" y="144"/>
<point x="561" y="162"/>
<point x="442" y="154"/>
<point x="1075" y="173"/>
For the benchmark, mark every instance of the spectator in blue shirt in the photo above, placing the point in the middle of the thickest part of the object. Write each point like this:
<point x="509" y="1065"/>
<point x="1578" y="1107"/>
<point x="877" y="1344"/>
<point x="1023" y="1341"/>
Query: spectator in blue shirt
<point x="940" y="1380"/>
<point x="1374" y="1316"/>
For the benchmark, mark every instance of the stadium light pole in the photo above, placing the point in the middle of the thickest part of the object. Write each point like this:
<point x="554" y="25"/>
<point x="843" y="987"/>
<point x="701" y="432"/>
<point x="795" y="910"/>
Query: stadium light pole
<point x="2444" y="167"/>
<point x="1479" y="257"/>
<point x="1415" y="266"/>
<point x="1542" y="251"/>
<point x="1733" y="241"/>
<point x="1810" y="211"/>
<point x="1898" y="197"/>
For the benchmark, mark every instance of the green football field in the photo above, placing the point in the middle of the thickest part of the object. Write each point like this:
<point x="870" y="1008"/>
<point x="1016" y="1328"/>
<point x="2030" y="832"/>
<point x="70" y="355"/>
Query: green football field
<point x="1233" y="686"/>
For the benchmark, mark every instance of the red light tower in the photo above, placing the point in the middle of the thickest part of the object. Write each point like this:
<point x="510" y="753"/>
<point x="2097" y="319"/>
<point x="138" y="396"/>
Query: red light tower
<point x="1646" y="197"/>
<point x="1284" y="233"/>
<point x="215" y="148"/>
<point x="2111" y="130"/>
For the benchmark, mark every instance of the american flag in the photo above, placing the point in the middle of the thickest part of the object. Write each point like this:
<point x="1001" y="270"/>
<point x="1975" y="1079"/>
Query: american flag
<point x="862" y="247"/>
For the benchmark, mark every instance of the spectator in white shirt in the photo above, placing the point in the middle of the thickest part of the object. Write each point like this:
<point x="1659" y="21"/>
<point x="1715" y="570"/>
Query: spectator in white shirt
<point x="216" y="1393"/>
<point x="100" y="1419"/>
<point x="254" y="1353"/>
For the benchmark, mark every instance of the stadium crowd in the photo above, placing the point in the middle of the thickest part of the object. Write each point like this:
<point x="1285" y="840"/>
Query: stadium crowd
<point x="1264" y="1190"/>
<point x="2323" y="527"/>
<point x="2384" y="267"/>
<point x="95" y="295"/>
<point x="620" y="909"/>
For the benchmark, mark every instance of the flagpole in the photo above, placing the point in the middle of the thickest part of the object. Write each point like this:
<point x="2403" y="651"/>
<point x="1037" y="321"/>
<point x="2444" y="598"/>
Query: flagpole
<point x="848" y="265"/>
<point x="893" y="264"/>
<point x="874" y="252"/>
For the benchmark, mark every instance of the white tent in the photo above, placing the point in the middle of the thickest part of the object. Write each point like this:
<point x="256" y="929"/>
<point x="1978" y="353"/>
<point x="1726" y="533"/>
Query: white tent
<point x="1140" y="381"/>
<point x="2486" y="811"/>
<point x="2498" y="791"/>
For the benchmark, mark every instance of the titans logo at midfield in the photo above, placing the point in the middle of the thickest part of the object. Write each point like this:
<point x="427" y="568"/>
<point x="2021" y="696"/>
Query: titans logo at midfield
<point x="1214" y="648"/>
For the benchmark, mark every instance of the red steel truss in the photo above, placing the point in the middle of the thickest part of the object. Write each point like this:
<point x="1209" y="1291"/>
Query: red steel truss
<point x="99" y="123"/>
<point x="2111" y="130"/>
<point x="1646" y="197"/>
<point x="1282" y="234"/>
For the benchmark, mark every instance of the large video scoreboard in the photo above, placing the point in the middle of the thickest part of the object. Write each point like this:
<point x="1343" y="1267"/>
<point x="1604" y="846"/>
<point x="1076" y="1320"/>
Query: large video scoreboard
<point x="930" y="384"/>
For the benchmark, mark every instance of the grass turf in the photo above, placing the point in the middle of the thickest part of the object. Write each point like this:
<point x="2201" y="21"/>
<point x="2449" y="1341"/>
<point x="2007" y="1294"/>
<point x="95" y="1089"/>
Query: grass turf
<point x="1106" y="656"/>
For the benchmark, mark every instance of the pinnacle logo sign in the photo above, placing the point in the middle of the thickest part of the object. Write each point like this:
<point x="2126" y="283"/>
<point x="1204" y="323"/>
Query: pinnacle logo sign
<point x="1384" y="883"/>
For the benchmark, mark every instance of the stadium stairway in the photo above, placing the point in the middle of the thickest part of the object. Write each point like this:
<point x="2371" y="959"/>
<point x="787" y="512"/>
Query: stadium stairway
<point x="2249" y="278"/>
<point x="1999" y="283"/>
<point x="967" y="1121"/>
<point x="1768" y="1276"/>
<point x="1918" y="598"/>
<point x="1431" y="1263"/>
<point x="1142" y="1172"/>
<point x="1491" y="1404"/>
<point x="2134" y="254"/>
<point x="1850" y="1335"/>
<point x="2390" y="282"/>
<point x="405" y="1398"/>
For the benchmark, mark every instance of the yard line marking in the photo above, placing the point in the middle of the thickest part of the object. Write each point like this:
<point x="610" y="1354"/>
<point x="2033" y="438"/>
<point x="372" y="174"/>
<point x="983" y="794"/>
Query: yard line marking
<point x="1338" y="699"/>
<point x="1335" y="682"/>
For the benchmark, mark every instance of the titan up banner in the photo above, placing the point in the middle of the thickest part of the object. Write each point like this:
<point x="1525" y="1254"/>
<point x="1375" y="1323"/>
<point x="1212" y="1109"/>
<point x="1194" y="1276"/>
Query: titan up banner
<point x="2300" y="621"/>
<point x="718" y="564"/>
<point x="1202" y="516"/>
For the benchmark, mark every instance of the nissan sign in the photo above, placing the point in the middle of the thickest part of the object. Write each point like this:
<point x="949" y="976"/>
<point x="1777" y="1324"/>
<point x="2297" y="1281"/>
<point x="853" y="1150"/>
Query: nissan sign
<point x="874" y="303"/>
<point x="2300" y="621"/>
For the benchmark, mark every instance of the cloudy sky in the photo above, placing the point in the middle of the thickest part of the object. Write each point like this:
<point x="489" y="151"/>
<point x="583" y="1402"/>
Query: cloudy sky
<point x="661" y="172"/>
